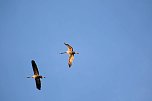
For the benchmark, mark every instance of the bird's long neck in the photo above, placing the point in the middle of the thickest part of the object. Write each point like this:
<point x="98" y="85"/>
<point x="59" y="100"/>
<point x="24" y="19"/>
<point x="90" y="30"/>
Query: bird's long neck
<point x="42" y="77"/>
<point x="76" y="53"/>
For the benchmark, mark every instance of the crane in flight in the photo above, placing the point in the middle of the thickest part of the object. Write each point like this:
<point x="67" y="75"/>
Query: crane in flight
<point x="36" y="75"/>
<point x="71" y="53"/>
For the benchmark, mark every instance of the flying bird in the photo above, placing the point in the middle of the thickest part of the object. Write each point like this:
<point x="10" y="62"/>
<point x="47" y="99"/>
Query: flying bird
<point x="71" y="53"/>
<point x="36" y="75"/>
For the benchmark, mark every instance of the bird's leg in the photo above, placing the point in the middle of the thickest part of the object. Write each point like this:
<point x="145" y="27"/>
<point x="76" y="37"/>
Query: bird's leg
<point x="63" y="53"/>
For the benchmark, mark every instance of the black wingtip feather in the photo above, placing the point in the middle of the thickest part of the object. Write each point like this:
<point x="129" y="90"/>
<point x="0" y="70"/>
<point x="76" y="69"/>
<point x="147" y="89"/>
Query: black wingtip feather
<point x="70" y="65"/>
<point x="32" y="61"/>
<point x="39" y="88"/>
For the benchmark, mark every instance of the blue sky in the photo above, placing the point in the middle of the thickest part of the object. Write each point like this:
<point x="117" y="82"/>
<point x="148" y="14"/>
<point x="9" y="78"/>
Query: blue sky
<point x="113" y="38"/>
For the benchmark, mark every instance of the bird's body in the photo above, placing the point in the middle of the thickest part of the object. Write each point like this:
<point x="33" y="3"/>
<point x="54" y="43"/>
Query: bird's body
<point x="36" y="75"/>
<point x="71" y="53"/>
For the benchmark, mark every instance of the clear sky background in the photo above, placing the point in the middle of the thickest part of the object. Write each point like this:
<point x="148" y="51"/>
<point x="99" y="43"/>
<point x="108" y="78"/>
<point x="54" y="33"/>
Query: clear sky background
<point x="113" y="37"/>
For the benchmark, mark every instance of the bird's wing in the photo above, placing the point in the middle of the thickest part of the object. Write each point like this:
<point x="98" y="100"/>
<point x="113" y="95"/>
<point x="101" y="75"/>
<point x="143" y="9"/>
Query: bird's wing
<point x="71" y="58"/>
<point x="69" y="47"/>
<point x="35" y="69"/>
<point x="38" y="83"/>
